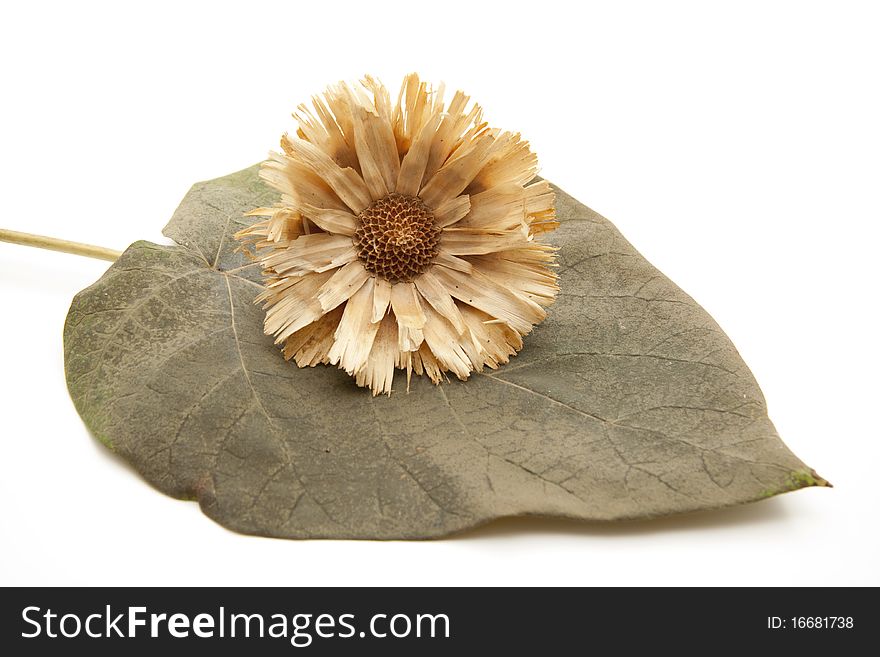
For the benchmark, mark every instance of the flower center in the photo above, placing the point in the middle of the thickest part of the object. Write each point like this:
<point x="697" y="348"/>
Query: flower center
<point x="397" y="237"/>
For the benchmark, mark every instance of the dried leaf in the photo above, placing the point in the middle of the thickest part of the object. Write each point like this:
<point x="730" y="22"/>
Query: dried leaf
<point x="627" y="402"/>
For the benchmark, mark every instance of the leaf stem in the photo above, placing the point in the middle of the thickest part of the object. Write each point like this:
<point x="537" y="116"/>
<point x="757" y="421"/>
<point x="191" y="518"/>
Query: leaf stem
<point x="55" y="244"/>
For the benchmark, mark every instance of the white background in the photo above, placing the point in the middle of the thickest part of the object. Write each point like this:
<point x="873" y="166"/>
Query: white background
<point x="736" y="145"/>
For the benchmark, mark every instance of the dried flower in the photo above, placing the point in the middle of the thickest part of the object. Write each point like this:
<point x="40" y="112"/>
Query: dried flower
<point x="405" y="236"/>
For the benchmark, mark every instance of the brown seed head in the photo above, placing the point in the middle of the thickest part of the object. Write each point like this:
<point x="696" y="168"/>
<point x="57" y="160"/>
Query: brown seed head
<point x="397" y="237"/>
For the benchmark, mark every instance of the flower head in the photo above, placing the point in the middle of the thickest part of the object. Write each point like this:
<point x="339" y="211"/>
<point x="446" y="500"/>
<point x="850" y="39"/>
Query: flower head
<point x="406" y="236"/>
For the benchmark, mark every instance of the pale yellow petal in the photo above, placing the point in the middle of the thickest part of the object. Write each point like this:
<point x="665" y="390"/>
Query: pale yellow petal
<point x="539" y="197"/>
<point x="341" y="222"/>
<point x="284" y="224"/>
<point x="536" y="253"/>
<point x="541" y="207"/>
<point x="346" y="182"/>
<point x="337" y="98"/>
<point x="410" y="317"/>
<point x="311" y="345"/>
<point x="381" y="299"/>
<point x="501" y="207"/>
<point x="481" y="292"/>
<point x="261" y="212"/>
<point x="453" y="262"/>
<point x="318" y="252"/>
<point x="406" y="306"/>
<point x="343" y="284"/>
<point x="532" y="281"/>
<point x="417" y="103"/>
<point x="433" y="291"/>
<point x="407" y="99"/>
<point x="509" y="161"/>
<point x="381" y="99"/>
<point x="452" y="178"/>
<point x="456" y="122"/>
<point x="476" y="241"/>
<point x="378" y="372"/>
<point x="412" y="169"/>
<point x="445" y="344"/>
<point x="355" y="333"/>
<point x="299" y="182"/>
<point x="509" y="205"/>
<point x="409" y="338"/>
<point x="321" y="129"/>
<point x="424" y="362"/>
<point x="452" y="211"/>
<point x="377" y="153"/>
<point x="293" y="306"/>
<point x="489" y="344"/>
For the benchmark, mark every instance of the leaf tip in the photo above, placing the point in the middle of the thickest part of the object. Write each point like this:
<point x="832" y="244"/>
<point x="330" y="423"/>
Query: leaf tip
<point x="796" y="480"/>
<point x="806" y="478"/>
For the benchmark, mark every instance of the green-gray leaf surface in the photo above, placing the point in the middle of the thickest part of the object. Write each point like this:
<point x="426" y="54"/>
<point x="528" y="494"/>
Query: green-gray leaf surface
<point x="627" y="402"/>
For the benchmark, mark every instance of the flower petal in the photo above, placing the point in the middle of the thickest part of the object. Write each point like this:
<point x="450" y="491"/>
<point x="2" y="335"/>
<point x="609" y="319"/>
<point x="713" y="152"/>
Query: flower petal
<point x="311" y="345"/>
<point x="541" y="207"/>
<point x="475" y="241"/>
<point x="433" y="291"/>
<point x="341" y="222"/>
<point x="355" y="333"/>
<point x="448" y="135"/>
<point x="317" y="252"/>
<point x="508" y="205"/>
<point x="344" y="283"/>
<point x="412" y="168"/>
<point x="482" y="292"/>
<point x="381" y="98"/>
<point x="299" y="182"/>
<point x="452" y="211"/>
<point x="490" y="344"/>
<point x="292" y="304"/>
<point x="324" y="131"/>
<point x="377" y="152"/>
<point x="452" y="262"/>
<point x="501" y="207"/>
<point x="445" y="344"/>
<point x="346" y="182"/>
<point x="338" y="97"/>
<point x="381" y="299"/>
<point x="510" y="161"/>
<point x="409" y="314"/>
<point x="452" y="178"/>
<point x="416" y="104"/>
<point x="532" y="281"/>
<point x="378" y="372"/>
<point x="283" y="225"/>
<point x="424" y="362"/>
